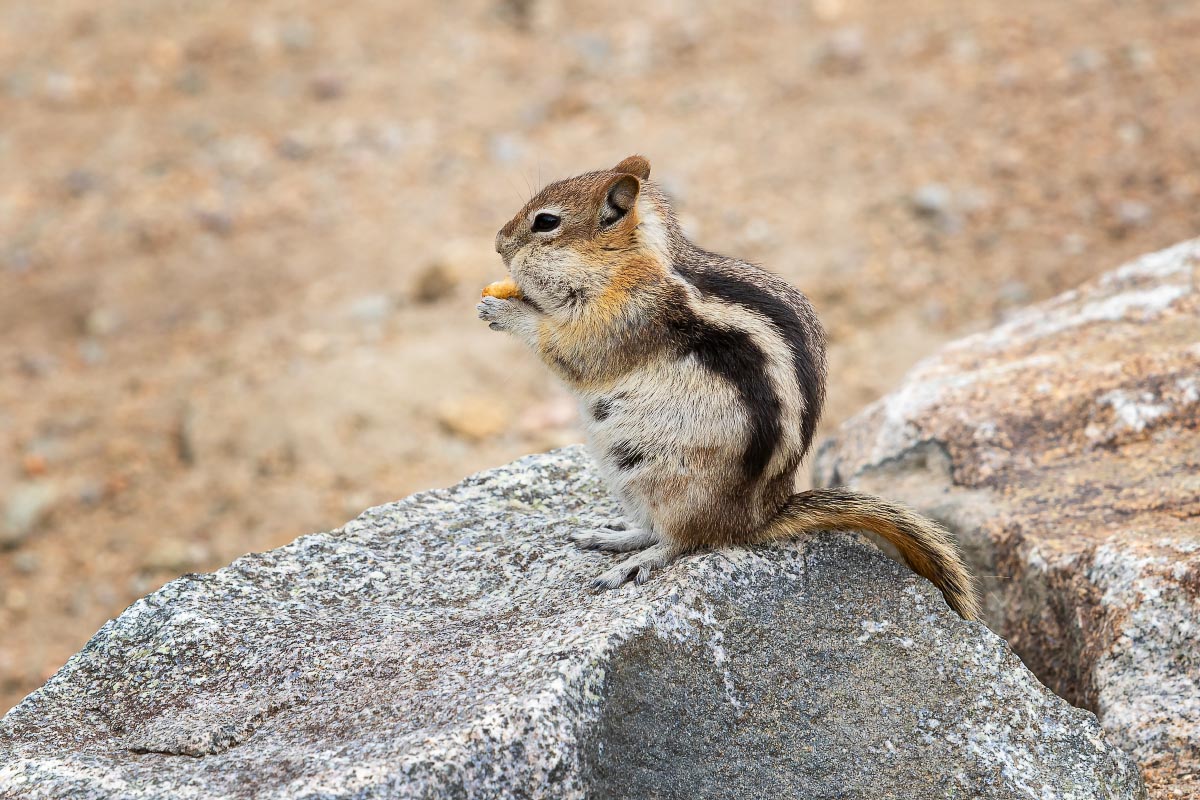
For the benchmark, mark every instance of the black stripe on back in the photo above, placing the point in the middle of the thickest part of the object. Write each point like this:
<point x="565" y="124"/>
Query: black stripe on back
<point x="627" y="455"/>
<point x="786" y="320"/>
<point x="733" y="354"/>
<point x="602" y="408"/>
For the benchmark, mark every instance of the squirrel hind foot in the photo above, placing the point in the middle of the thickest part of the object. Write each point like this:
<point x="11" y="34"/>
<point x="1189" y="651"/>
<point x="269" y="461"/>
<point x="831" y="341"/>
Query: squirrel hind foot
<point x="637" y="567"/>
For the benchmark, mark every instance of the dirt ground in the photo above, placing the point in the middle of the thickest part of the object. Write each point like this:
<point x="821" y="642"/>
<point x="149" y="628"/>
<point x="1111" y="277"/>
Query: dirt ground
<point x="240" y="244"/>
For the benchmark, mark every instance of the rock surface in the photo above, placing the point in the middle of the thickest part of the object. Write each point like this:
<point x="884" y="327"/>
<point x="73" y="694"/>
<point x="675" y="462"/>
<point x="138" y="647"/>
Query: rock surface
<point x="1064" y="448"/>
<point x="442" y="646"/>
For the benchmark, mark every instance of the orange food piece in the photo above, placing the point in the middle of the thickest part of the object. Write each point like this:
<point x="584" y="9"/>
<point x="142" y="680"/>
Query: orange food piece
<point x="506" y="289"/>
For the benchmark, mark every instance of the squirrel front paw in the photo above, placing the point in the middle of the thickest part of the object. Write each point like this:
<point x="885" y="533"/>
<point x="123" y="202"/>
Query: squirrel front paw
<point x="500" y="315"/>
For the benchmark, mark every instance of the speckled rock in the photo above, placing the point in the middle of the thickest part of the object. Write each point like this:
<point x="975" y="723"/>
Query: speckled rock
<point x="443" y="647"/>
<point x="1064" y="448"/>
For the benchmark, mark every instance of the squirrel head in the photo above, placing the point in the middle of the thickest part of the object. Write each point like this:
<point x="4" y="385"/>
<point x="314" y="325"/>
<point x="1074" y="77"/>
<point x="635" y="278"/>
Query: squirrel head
<point x="591" y="242"/>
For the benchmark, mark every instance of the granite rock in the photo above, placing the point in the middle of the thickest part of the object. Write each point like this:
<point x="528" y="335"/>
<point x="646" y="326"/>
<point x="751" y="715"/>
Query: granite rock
<point x="1063" y="447"/>
<point x="444" y="647"/>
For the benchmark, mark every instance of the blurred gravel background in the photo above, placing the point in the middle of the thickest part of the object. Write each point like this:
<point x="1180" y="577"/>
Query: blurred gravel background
<point x="241" y="243"/>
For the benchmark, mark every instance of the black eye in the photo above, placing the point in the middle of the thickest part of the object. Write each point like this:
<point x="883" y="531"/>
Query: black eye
<point x="545" y="222"/>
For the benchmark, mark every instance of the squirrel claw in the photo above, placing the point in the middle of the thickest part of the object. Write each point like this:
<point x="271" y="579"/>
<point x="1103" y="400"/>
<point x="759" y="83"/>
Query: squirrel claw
<point x="496" y="312"/>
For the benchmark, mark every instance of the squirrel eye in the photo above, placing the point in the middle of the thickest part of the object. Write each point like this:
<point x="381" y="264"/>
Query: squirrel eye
<point x="545" y="222"/>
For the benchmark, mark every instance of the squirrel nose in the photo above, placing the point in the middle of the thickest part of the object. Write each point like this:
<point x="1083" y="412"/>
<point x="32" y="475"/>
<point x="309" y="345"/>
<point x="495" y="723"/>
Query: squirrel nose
<point x="500" y="242"/>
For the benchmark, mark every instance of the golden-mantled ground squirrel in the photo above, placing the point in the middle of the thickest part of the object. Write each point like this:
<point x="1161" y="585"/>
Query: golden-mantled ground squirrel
<point x="700" y="378"/>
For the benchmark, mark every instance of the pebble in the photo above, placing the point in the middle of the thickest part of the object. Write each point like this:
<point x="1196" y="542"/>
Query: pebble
<point x="593" y="49"/>
<point x="327" y="86"/>
<point x="37" y="365"/>
<point x="191" y="81"/>
<point x="557" y="413"/>
<point x="1087" y="59"/>
<point x="79" y="182"/>
<point x="26" y="563"/>
<point x="90" y="493"/>
<point x="17" y="259"/>
<point x="101" y="322"/>
<point x="61" y="89"/>
<point x="216" y="221"/>
<point x="1131" y="133"/>
<point x="435" y="282"/>
<point x="935" y="203"/>
<point x="15" y="599"/>
<point x="473" y="418"/>
<point x="828" y="10"/>
<point x="1141" y="57"/>
<point x="506" y="148"/>
<point x="1073" y="244"/>
<point x="169" y="555"/>
<point x="371" y="308"/>
<point x="296" y="34"/>
<point x="1133" y="213"/>
<point x="1014" y="293"/>
<point x="26" y="506"/>
<point x="294" y="148"/>
<point x="844" y="51"/>
<point x="91" y="351"/>
<point x="931" y="200"/>
<point x="354" y="504"/>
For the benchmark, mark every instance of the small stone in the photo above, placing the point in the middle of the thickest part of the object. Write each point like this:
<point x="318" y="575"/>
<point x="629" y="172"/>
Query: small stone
<point x="101" y="322"/>
<point x="1014" y="293"/>
<point x="473" y="418"/>
<point x="216" y="221"/>
<point x="36" y="365"/>
<point x="1131" y="133"/>
<point x="354" y="504"/>
<point x="191" y="81"/>
<point x="293" y="147"/>
<point x="91" y="351"/>
<point x="1140" y="57"/>
<point x="931" y="200"/>
<point x="371" y="308"/>
<point x="1133" y="213"/>
<point x="26" y="563"/>
<point x="435" y="282"/>
<point x="557" y="413"/>
<point x="594" y="48"/>
<point x="296" y="34"/>
<point x="61" y="89"/>
<point x="506" y="148"/>
<point x="1074" y="244"/>
<point x="34" y="464"/>
<point x="212" y="321"/>
<point x="16" y="599"/>
<point x="1087" y="59"/>
<point x="843" y="52"/>
<point x="27" y="505"/>
<point x="327" y="86"/>
<point x="79" y="182"/>
<point x="314" y="343"/>
<point x="168" y="555"/>
<point x="90" y="493"/>
<point x="965" y="49"/>
<point x="828" y="10"/>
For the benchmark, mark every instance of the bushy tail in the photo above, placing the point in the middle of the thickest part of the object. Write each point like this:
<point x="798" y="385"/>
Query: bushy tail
<point x="924" y="544"/>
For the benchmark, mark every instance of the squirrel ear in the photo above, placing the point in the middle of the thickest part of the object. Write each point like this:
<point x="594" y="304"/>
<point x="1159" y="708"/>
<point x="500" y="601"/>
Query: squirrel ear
<point x="634" y="165"/>
<point x="621" y="195"/>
